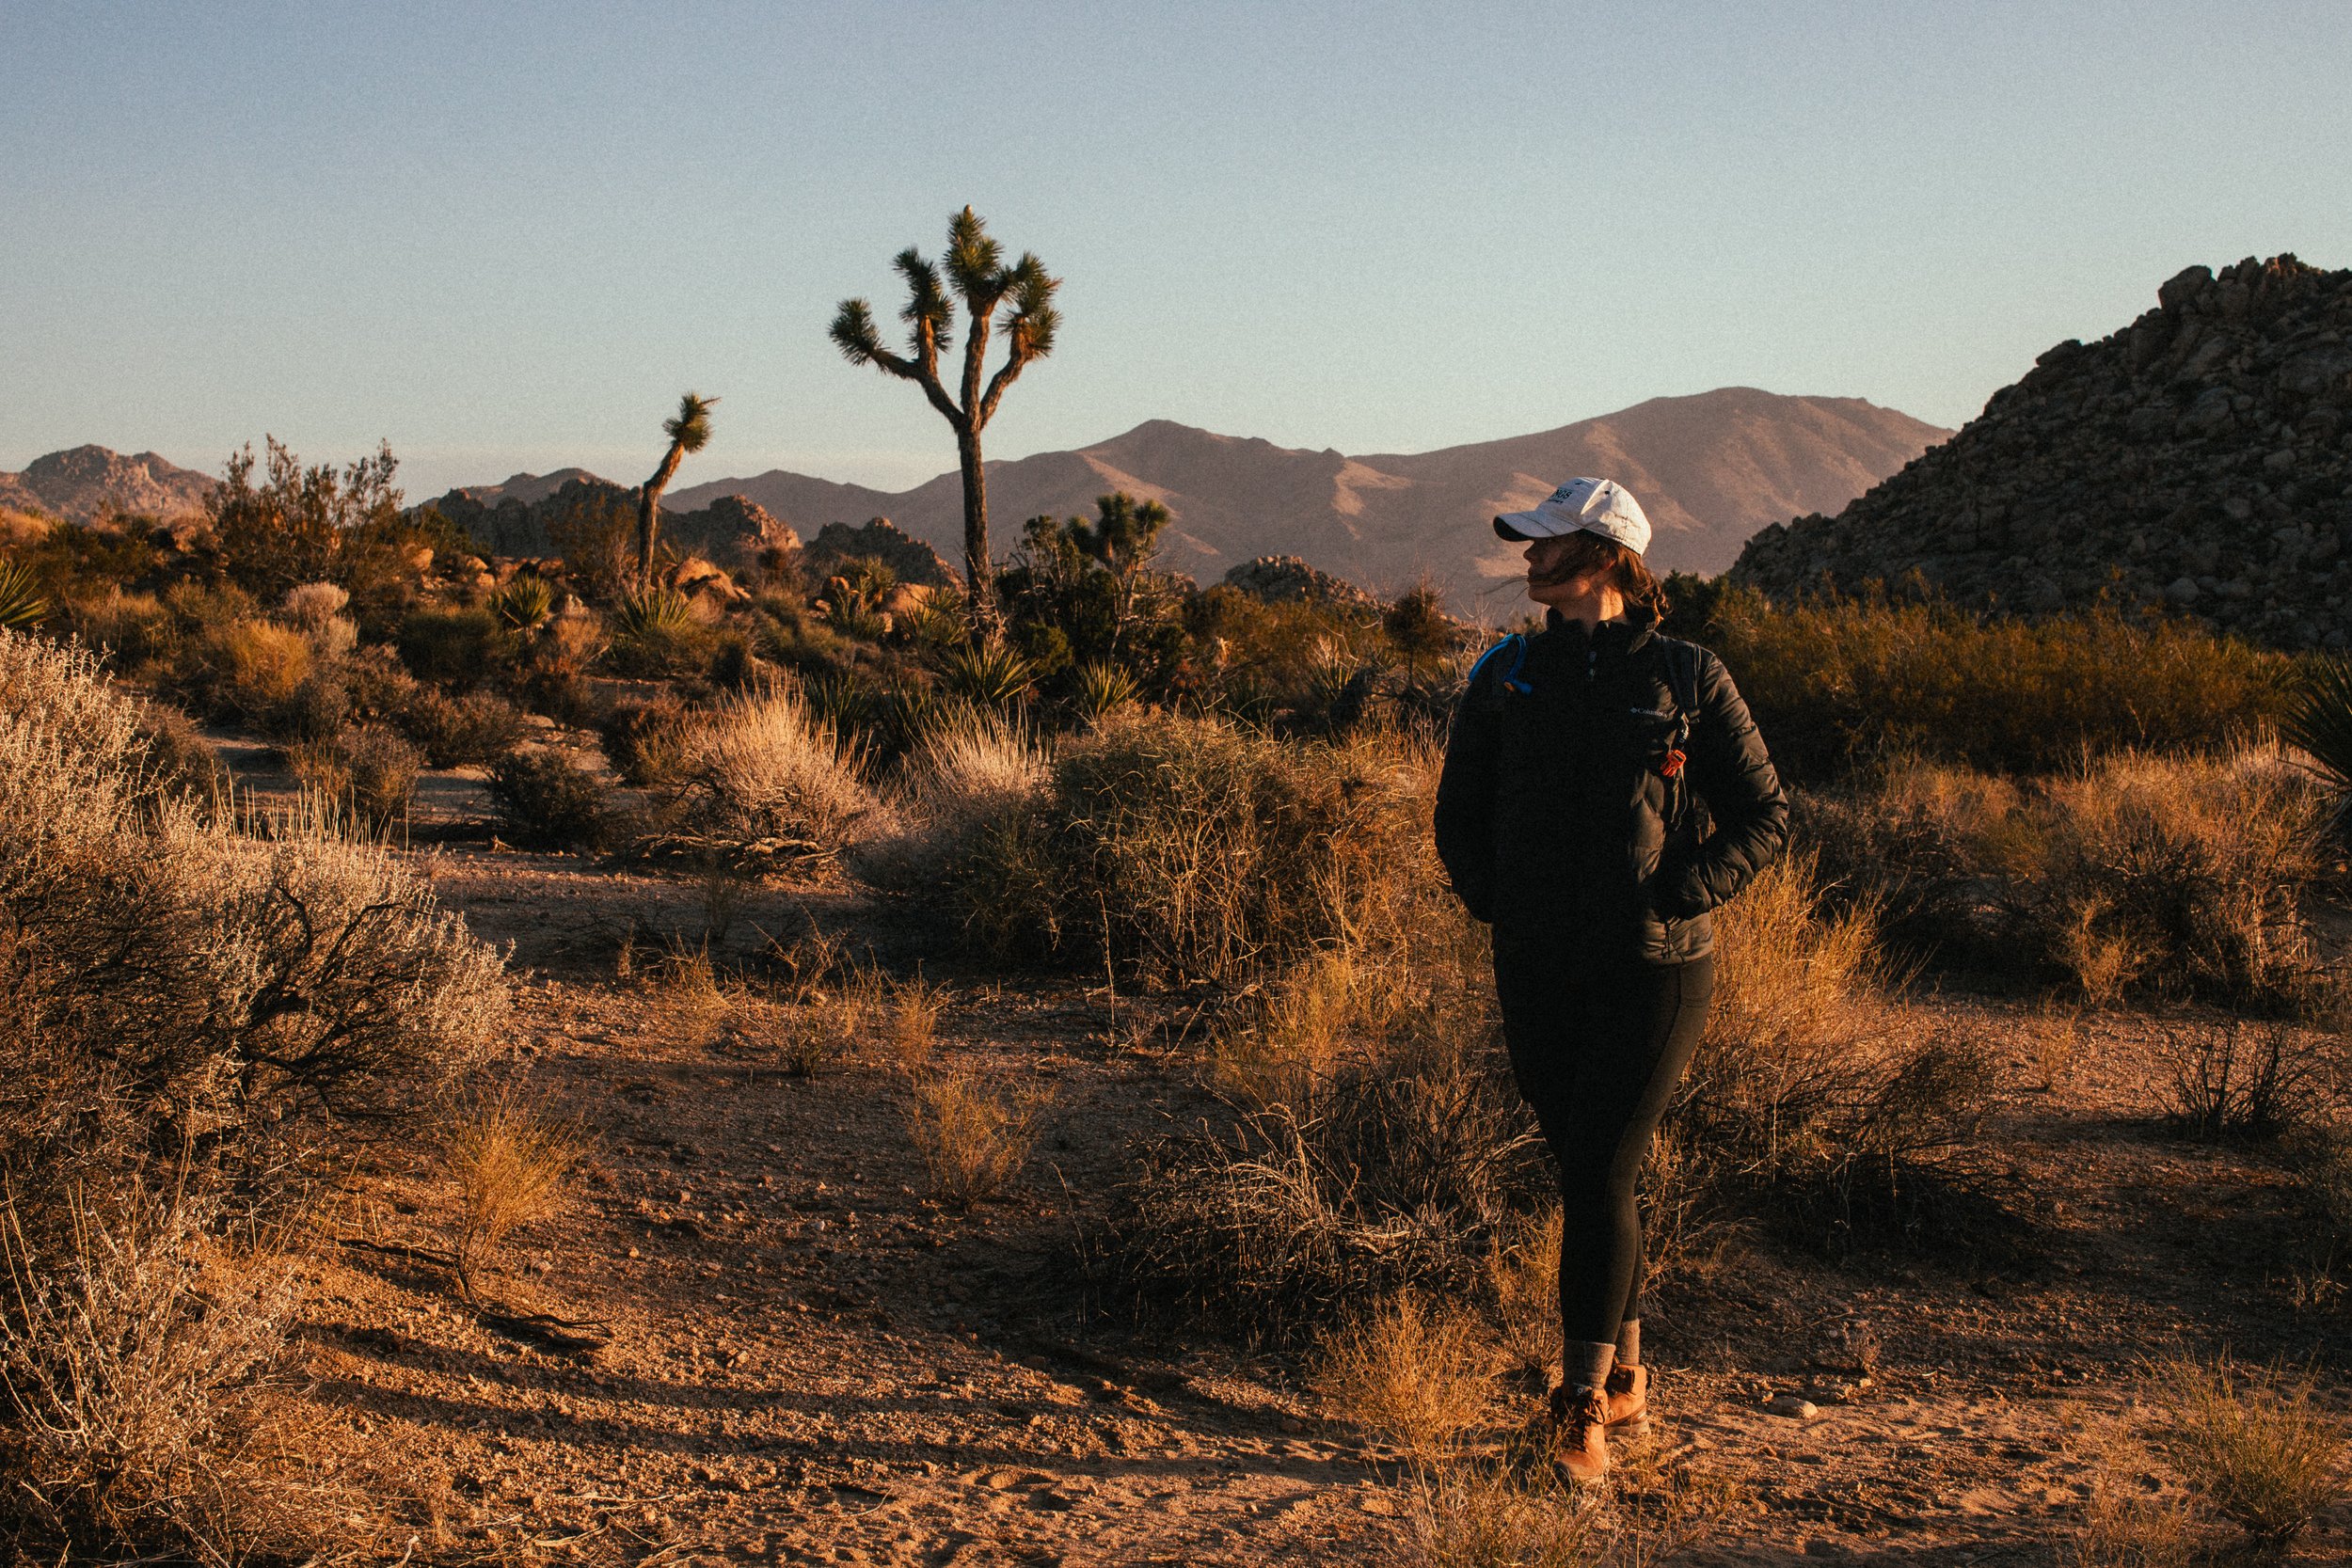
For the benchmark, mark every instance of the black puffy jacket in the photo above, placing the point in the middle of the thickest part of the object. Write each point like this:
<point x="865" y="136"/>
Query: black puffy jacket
<point x="1562" y="812"/>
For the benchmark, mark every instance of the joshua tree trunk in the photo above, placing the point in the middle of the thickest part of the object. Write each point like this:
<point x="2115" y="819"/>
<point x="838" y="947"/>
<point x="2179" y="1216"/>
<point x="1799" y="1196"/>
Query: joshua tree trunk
<point x="649" y="515"/>
<point x="979" y="576"/>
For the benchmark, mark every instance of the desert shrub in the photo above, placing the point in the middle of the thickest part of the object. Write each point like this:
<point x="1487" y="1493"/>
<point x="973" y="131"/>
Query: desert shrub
<point x="1097" y="690"/>
<point x="172" y="758"/>
<point x="317" y="711"/>
<point x="2318" y="722"/>
<point x="2194" y="866"/>
<point x="2167" y="876"/>
<point x="242" y="1000"/>
<point x="134" y="630"/>
<point x="311" y="605"/>
<point x="141" y="1395"/>
<point x="1816" y="1097"/>
<point x="170" y="946"/>
<point x="547" y="800"/>
<point x="1834" y="682"/>
<point x="453" y="647"/>
<point x="645" y="740"/>
<point x="761" y="780"/>
<point x="657" y="633"/>
<point x="2256" y="1446"/>
<point x="472" y="729"/>
<point x="1185" y="850"/>
<point x="367" y="774"/>
<point x="510" y="1157"/>
<point x="886" y="716"/>
<point x="973" y="1139"/>
<point x="1418" y="1372"/>
<point x="2250" y="1080"/>
<point x="987" y="675"/>
<point x="1524" y="1273"/>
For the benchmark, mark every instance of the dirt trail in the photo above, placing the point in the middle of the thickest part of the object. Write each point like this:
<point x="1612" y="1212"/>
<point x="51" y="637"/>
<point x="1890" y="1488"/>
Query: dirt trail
<point x="809" y="1361"/>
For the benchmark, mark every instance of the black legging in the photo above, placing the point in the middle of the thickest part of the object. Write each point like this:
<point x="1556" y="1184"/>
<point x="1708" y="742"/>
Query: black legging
<point x="1598" y="1050"/>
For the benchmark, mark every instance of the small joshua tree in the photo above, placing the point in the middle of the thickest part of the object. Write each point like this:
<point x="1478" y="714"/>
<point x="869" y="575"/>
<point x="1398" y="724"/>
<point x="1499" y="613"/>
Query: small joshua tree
<point x="975" y="270"/>
<point x="689" y="432"/>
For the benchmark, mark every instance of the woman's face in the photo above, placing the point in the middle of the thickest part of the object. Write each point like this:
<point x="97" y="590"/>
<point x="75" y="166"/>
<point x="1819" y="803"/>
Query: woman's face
<point x="1548" y="582"/>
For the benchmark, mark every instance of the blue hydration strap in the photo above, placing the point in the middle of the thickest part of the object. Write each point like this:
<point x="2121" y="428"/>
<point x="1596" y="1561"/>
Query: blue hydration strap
<point x="1517" y="644"/>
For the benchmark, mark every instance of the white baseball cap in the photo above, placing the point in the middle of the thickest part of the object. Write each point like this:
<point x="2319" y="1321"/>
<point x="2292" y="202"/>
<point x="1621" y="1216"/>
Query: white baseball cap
<point x="1599" y="506"/>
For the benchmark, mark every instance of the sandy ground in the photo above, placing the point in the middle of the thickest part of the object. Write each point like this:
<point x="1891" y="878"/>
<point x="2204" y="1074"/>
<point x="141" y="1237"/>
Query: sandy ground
<point x="810" y="1361"/>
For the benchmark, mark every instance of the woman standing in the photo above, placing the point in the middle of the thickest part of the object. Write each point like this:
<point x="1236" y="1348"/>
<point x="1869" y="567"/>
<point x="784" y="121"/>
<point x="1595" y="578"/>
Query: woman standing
<point x="1604" y="788"/>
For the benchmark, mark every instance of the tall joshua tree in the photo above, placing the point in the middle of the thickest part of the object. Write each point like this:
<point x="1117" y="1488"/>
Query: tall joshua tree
<point x="689" y="432"/>
<point x="975" y="271"/>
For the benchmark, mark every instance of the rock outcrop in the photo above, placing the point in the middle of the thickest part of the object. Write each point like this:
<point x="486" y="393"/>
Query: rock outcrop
<point x="913" y="562"/>
<point x="1286" y="578"/>
<point x="525" y="517"/>
<point x="2199" y="459"/>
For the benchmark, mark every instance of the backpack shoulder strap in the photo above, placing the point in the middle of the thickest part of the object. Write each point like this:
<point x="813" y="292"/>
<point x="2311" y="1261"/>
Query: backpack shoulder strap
<point x="1682" y="674"/>
<point x="1513" y="649"/>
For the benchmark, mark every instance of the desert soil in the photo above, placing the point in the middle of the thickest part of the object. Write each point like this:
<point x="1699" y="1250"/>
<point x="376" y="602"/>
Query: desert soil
<point x="806" y="1359"/>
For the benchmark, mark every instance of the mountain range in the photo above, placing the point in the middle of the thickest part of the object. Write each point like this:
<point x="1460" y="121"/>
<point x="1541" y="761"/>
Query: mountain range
<point x="1710" y="469"/>
<point x="84" y="483"/>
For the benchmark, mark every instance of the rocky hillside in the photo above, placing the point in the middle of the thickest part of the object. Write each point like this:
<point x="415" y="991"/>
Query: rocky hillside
<point x="2199" y="459"/>
<point x="1709" y="469"/>
<point x="87" y="483"/>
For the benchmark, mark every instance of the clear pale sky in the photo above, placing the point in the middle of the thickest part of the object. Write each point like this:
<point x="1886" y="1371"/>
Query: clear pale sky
<point x="506" y="236"/>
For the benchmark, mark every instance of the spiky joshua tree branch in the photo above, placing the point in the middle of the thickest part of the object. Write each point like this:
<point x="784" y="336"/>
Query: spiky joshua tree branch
<point x="689" y="432"/>
<point x="1015" y="302"/>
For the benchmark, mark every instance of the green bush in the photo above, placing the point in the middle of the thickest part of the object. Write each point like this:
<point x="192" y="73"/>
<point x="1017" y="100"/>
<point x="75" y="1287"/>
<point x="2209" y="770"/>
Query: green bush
<point x="454" y="647"/>
<point x="545" y="800"/>
<point x="1839" y="681"/>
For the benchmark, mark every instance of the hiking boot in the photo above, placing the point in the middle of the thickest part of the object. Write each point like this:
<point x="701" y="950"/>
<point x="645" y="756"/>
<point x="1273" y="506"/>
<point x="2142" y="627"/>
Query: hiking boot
<point x="1580" y="1420"/>
<point x="1628" y="1394"/>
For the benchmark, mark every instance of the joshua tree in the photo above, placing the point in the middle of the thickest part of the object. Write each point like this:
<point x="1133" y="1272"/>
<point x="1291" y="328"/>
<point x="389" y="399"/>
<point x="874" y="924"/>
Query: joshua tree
<point x="975" y="270"/>
<point x="689" y="432"/>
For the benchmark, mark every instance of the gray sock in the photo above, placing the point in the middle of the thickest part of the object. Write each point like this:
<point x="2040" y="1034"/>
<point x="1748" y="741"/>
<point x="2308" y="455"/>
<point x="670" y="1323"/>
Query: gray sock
<point x="1584" y="1363"/>
<point x="1630" y="1342"/>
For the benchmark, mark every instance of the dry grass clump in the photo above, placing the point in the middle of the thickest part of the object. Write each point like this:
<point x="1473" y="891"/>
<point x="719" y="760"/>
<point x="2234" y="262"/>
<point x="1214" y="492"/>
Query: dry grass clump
<point x="910" y="1022"/>
<point x="510" y="1159"/>
<point x="972" y="1139"/>
<point x="973" y="778"/>
<point x="762" y="780"/>
<point x="1812" y="1090"/>
<point x="2252" y="1444"/>
<point x="1835" y="682"/>
<point x="1187" y="849"/>
<point x="2138" y="873"/>
<point x="1523" y="1271"/>
<point x="1418" y="1372"/>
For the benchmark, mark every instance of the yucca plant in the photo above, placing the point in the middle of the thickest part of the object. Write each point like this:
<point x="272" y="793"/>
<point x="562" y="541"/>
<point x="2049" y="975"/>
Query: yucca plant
<point x="2318" y="720"/>
<point x="1102" y="689"/>
<point x="21" y="603"/>
<point x="986" y="674"/>
<point x="524" y="604"/>
<point x="653" y="612"/>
